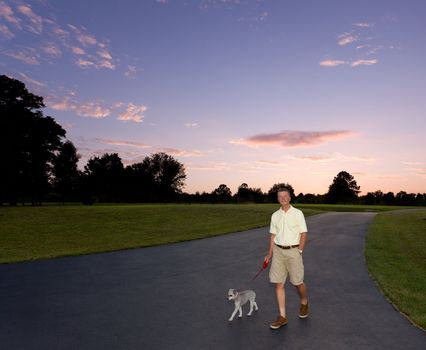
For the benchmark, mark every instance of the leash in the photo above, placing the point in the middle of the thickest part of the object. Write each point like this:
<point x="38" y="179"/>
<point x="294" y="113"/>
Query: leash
<point x="264" y="266"/>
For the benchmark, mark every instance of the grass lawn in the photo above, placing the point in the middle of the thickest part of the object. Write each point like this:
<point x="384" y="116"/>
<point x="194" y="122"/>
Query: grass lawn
<point x="28" y="233"/>
<point x="396" y="257"/>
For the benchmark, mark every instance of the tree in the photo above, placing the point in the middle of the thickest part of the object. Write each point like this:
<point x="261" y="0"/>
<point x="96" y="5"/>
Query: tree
<point x="28" y="142"/>
<point x="389" y="198"/>
<point x="344" y="189"/>
<point x="248" y="194"/>
<point x="222" y="194"/>
<point x="167" y="175"/>
<point x="65" y="170"/>
<point x="105" y="177"/>
<point x="272" y="193"/>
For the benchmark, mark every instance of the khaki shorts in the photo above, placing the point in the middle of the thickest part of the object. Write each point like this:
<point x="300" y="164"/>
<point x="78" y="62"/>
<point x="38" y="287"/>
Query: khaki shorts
<point x="286" y="262"/>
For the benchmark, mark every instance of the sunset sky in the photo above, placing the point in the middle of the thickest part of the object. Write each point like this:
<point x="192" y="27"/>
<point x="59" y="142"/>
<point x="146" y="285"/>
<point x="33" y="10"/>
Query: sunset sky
<point x="249" y="91"/>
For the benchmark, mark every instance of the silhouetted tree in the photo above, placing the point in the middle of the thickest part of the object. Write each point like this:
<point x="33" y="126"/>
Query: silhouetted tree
<point x="221" y="194"/>
<point x="344" y="189"/>
<point x="272" y="193"/>
<point x="247" y="194"/>
<point x="65" y="171"/>
<point x="389" y="198"/>
<point x="105" y="177"/>
<point x="166" y="174"/>
<point x="28" y="142"/>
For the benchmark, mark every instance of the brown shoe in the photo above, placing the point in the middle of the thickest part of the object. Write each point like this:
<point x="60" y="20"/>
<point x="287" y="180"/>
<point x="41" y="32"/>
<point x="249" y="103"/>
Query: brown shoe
<point x="304" y="311"/>
<point x="281" y="321"/>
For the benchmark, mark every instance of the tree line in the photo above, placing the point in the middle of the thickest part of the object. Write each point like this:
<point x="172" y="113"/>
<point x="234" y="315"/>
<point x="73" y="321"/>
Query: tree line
<point x="40" y="164"/>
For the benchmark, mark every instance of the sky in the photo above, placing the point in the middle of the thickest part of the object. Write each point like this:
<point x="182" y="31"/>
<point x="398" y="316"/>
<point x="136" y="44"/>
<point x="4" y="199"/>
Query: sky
<point x="239" y="91"/>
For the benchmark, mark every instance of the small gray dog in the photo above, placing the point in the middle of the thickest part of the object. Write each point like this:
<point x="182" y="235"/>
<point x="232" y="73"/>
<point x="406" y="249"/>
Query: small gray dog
<point x="240" y="298"/>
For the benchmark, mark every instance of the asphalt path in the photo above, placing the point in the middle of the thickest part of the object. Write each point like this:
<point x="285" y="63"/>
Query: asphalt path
<point x="174" y="297"/>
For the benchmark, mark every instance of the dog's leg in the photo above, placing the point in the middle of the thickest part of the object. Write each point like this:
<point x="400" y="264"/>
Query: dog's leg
<point x="255" y="306"/>
<point x="241" y="312"/>
<point x="251" y="308"/>
<point x="233" y="314"/>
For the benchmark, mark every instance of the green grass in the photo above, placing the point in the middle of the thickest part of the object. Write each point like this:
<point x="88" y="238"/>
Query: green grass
<point x="396" y="257"/>
<point x="28" y="233"/>
<point x="351" y="207"/>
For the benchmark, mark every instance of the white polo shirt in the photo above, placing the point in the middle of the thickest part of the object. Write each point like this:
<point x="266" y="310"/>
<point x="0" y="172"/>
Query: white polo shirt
<point x="287" y="227"/>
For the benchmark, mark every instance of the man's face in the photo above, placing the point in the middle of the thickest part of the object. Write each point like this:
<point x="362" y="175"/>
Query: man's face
<point x="283" y="198"/>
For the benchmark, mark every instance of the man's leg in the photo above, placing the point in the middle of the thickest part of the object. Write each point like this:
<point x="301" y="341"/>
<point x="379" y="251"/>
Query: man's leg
<point x="301" y="290"/>
<point x="304" y="307"/>
<point x="280" y="293"/>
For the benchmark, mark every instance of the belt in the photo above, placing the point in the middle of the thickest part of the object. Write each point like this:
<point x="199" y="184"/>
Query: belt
<point x="286" y="246"/>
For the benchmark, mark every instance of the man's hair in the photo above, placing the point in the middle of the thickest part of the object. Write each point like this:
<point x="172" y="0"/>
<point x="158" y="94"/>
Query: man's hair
<point x="284" y="189"/>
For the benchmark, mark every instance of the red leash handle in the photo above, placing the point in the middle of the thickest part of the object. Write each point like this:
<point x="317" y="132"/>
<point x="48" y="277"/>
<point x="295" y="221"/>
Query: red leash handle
<point x="264" y="266"/>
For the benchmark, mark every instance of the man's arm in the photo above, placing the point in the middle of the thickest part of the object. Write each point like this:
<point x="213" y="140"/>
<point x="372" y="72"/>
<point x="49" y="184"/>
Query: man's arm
<point x="302" y="241"/>
<point x="271" y="247"/>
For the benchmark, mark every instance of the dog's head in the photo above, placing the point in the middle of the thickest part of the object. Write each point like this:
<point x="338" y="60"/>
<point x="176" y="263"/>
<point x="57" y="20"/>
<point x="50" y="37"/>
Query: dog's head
<point x="232" y="294"/>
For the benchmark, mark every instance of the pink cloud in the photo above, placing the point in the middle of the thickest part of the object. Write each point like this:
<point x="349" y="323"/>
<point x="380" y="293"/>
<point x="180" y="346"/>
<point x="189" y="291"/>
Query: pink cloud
<point x="93" y="109"/>
<point x="4" y="30"/>
<point x="346" y="39"/>
<point x="78" y="50"/>
<point x="36" y="22"/>
<point x="28" y="56"/>
<point x="331" y="63"/>
<point x="134" y="113"/>
<point x="289" y="138"/>
<point x="364" y="62"/>
<point x="124" y="143"/>
<point x="52" y="50"/>
<point x="335" y="157"/>
<point x="180" y="152"/>
<point x="363" y="24"/>
<point x="7" y="13"/>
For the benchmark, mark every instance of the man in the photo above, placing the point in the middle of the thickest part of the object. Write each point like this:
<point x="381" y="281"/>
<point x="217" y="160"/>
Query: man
<point x="287" y="241"/>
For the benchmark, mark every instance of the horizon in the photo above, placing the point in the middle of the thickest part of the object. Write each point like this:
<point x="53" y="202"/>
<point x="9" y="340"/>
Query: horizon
<point x="257" y="92"/>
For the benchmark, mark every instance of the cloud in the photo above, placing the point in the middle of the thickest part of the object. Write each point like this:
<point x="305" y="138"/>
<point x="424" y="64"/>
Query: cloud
<point x="27" y="55"/>
<point x="346" y="39"/>
<point x="191" y="125"/>
<point x="36" y="22"/>
<point x="52" y="50"/>
<point x="78" y="50"/>
<point x="263" y="16"/>
<point x="317" y="158"/>
<point x="7" y="13"/>
<point x="180" y="152"/>
<point x="96" y="109"/>
<point x="131" y="72"/>
<point x="289" y="138"/>
<point x="363" y="24"/>
<point x="4" y="30"/>
<point x="84" y="63"/>
<point x="105" y="54"/>
<point x="421" y="172"/>
<point x="93" y="109"/>
<point x="124" y="143"/>
<point x="364" y="62"/>
<point x="85" y="49"/>
<point x="27" y="80"/>
<point x="332" y="63"/>
<point x="335" y="63"/>
<point x="134" y="113"/>
<point x="210" y="166"/>
<point x="334" y="157"/>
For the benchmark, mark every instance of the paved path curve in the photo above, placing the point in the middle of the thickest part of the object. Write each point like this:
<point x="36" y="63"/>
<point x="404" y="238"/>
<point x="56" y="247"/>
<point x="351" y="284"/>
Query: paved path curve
<point x="174" y="297"/>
